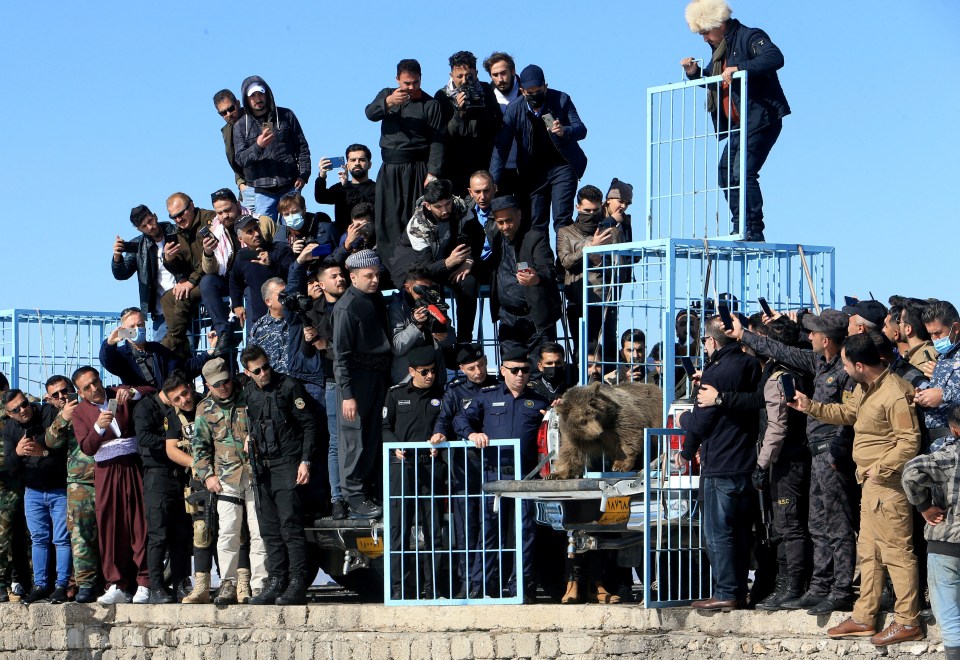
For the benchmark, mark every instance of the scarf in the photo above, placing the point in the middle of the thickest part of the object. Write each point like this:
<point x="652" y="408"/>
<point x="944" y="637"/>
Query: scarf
<point x="716" y="68"/>
<point x="224" y="248"/>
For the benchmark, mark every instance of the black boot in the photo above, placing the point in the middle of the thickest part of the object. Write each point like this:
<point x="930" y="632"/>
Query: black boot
<point x="271" y="591"/>
<point x="296" y="593"/>
<point x="772" y="602"/>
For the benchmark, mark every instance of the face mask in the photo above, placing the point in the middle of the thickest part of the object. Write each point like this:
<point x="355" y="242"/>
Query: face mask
<point x="294" y="221"/>
<point x="943" y="344"/>
<point x="554" y="375"/>
<point x="141" y="337"/>
<point x="536" y="99"/>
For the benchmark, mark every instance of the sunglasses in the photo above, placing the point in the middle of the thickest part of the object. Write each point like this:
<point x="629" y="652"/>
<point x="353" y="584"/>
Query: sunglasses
<point x="424" y="372"/>
<point x="260" y="370"/>
<point x="19" y="409"/>
<point x="221" y="383"/>
<point x="177" y="216"/>
<point x="227" y="111"/>
<point x="518" y="370"/>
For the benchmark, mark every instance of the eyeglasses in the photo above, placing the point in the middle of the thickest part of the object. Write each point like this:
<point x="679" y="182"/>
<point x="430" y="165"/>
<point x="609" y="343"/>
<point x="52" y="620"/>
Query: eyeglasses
<point x="227" y="111"/>
<point x="221" y="383"/>
<point x="259" y="370"/>
<point x="59" y="394"/>
<point x="19" y="409"/>
<point x="518" y="370"/>
<point x="424" y="372"/>
<point x="177" y="216"/>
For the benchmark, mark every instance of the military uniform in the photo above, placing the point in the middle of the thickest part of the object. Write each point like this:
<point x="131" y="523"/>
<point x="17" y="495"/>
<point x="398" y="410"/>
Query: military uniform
<point x="887" y="435"/>
<point x="81" y="503"/>
<point x="409" y="414"/>
<point x="466" y="471"/>
<point x="282" y="436"/>
<point x="220" y="430"/>
<point x="500" y="415"/>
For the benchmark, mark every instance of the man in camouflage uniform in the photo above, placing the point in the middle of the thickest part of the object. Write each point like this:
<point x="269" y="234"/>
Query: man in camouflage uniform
<point x="221" y="462"/>
<point x="81" y="502"/>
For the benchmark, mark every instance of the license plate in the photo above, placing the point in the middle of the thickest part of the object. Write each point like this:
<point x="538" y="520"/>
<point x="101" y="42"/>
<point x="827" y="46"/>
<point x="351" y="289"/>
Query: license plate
<point x="617" y="513"/>
<point x="371" y="547"/>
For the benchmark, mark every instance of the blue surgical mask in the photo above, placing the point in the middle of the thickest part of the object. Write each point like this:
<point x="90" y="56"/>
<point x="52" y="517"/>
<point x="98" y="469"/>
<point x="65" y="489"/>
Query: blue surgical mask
<point x="294" y="221"/>
<point x="141" y="337"/>
<point x="943" y="344"/>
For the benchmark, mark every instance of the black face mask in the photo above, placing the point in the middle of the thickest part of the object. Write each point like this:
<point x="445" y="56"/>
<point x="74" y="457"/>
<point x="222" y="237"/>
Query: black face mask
<point x="536" y="99"/>
<point x="556" y="376"/>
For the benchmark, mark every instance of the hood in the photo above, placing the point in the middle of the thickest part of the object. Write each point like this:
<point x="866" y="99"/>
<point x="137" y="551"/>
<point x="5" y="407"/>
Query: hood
<point x="271" y="102"/>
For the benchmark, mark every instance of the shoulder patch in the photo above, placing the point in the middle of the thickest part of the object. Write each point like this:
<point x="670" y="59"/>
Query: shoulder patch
<point x="300" y="403"/>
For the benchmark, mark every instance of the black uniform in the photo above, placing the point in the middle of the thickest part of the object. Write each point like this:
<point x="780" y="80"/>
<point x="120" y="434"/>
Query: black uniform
<point x="409" y="414"/>
<point x="283" y="433"/>
<point x="168" y="525"/>
<point x="361" y="365"/>
<point x="466" y="472"/>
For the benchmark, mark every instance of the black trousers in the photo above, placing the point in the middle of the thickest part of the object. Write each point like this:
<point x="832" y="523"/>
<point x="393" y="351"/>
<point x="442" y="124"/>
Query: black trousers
<point x="168" y="525"/>
<point x="359" y="441"/>
<point x="281" y="524"/>
<point x="789" y="495"/>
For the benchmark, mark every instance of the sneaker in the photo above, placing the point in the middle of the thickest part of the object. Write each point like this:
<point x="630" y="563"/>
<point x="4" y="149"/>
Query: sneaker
<point x="115" y="595"/>
<point x="59" y="595"/>
<point x="340" y="510"/>
<point x="39" y="592"/>
<point x="142" y="597"/>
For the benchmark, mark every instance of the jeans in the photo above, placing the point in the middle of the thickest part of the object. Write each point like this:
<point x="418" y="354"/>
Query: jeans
<point x="759" y="144"/>
<point x="943" y="580"/>
<point x="266" y="203"/>
<point x="46" y="512"/>
<point x="557" y="189"/>
<point x="728" y="520"/>
<point x="333" y="461"/>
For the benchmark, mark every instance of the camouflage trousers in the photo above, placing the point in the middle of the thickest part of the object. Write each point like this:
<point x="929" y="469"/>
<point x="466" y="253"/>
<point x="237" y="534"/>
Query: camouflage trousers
<point x="11" y="505"/>
<point x="82" y="523"/>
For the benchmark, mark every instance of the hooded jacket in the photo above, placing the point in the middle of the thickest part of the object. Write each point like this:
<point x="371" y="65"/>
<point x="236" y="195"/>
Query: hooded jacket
<point x="281" y="162"/>
<point x="144" y="262"/>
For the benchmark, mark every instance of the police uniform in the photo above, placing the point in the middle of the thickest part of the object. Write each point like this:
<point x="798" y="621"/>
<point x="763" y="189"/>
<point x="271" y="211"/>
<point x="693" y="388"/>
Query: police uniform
<point x="887" y="435"/>
<point x="409" y="414"/>
<point x="500" y="415"/>
<point x="168" y="525"/>
<point x="282" y="436"/>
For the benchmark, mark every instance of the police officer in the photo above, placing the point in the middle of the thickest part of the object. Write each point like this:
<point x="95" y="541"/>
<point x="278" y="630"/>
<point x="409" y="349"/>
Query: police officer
<point x="409" y="412"/>
<point x="282" y="437"/>
<point x="506" y="410"/>
<point x="465" y="465"/>
<point x="554" y="378"/>
<point x="168" y="526"/>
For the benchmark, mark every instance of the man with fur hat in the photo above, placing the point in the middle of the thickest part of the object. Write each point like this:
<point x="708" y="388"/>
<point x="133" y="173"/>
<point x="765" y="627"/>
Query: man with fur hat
<point x="736" y="47"/>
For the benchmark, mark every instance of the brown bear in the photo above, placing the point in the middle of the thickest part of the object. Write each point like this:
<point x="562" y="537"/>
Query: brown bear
<point x="600" y="419"/>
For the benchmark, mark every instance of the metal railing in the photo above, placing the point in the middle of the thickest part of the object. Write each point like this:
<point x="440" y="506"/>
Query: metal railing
<point x="446" y="542"/>
<point x="690" y="176"/>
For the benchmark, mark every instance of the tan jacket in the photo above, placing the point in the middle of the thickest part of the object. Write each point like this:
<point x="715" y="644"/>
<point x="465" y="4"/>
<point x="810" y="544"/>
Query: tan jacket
<point x="570" y="243"/>
<point x="885" y="425"/>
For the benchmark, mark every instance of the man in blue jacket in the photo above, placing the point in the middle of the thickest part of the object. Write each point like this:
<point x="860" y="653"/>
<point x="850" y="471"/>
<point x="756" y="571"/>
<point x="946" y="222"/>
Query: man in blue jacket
<point x="736" y="47"/>
<point x="547" y="128"/>
<point x="728" y="454"/>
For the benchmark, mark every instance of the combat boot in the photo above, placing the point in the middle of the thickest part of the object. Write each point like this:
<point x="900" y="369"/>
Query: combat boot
<point x="227" y="595"/>
<point x="296" y="593"/>
<point x="201" y="590"/>
<point x="243" y="586"/>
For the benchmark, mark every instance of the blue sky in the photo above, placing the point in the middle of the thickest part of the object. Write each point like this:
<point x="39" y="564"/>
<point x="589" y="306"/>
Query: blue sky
<point x="109" y="105"/>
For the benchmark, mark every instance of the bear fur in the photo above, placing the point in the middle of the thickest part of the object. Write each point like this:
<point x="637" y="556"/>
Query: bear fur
<point x="599" y="419"/>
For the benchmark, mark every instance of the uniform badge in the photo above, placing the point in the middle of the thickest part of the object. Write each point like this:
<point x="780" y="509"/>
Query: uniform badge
<point x="528" y="403"/>
<point x="299" y="403"/>
<point x="434" y="402"/>
<point x="384" y="412"/>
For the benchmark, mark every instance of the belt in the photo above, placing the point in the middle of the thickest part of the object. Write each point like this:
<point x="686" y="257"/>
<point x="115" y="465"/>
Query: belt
<point x="939" y="432"/>
<point x="817" y="448"/>
<point x="283" y="460"/>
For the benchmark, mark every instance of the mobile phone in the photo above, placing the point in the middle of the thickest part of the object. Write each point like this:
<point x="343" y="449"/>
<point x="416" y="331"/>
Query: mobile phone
<point x="789" y="388"/>
<point x="688" y="366"/>
<point x="112" y="407"/>
<point x="321" y="250"/>
<point x="765" y="307"/>
<point x="725" y="316"/>
<point x="522" y="266"/>
<point x="130" y="247"/>
<point x="547" y="120"/>
<point x="128" y="333"/>
<point x="850" y="301"/>
<point x="338" y="161"/>
<point x="248" y="254"/>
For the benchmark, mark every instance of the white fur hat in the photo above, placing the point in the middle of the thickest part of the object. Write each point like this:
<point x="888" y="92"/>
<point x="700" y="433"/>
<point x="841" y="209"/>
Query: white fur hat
<point x="703" y="15"/>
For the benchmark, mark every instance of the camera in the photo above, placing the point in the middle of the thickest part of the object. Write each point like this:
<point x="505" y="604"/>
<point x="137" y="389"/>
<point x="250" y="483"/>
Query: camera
<point x="296" y="302"/>
<point x="473" y="92"/>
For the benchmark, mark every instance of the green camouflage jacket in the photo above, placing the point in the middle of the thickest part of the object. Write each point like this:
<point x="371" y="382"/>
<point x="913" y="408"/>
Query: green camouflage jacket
<point x="219" y="435"/>
<point x="79" y="465"/>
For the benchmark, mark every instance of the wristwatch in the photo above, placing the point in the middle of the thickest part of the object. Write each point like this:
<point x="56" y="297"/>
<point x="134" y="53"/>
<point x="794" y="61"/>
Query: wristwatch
<point x="719" y="400"/>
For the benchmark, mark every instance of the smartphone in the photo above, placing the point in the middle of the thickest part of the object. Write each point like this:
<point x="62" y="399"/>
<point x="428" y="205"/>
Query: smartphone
<point x="547" y="120"/>
<point x="765" y="307"/>
<point x="789" y="388"/>
<point x="338" y="161"/>
<point x="130" y="247"/>
<point x="688" y="366"/>
<point x="248" y="254"/>
<point x="321" y="250"/>
<point x="850" y="301"/>
<point x="112" y="407"/>
<point x="725" y="316"/>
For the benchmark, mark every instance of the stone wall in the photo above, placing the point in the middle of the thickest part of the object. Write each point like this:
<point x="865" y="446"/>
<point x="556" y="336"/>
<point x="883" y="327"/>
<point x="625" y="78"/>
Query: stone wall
<point x="375" y="632"/>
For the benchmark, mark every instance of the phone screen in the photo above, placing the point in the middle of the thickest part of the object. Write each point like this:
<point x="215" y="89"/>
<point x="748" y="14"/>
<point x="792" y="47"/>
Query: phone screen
<point x="764" y="306"/>
<point x="789" y="388"/>
<point x="725" y="316"/>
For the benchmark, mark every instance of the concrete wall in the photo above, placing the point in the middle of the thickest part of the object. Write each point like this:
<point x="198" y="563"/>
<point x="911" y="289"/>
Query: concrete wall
<point x="373" y="632"/>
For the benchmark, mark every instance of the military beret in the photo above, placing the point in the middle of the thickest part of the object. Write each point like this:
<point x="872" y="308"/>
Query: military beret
<point x="422" y="356"/>
<point x="871" y="310"/>
<point x="468" y="353"/>
<point x="505" y="202"/>
<point x="364" y="259"/>
<point x="243" y="221"/>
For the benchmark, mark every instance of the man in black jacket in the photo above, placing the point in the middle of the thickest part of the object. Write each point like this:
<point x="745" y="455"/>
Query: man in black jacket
<point x="524" y="293"/>
<point x="728" y="456"/>
<point x="282" y="438"/>
<point x="143" y="257"/>
<point x="270" y="147"/>
<point x="44" y="473"/>
<point x="736" y="47"/>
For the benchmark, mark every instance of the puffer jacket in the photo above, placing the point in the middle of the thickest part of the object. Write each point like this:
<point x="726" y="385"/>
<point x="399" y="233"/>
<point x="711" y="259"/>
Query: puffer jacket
<point x="281" y="162"/>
